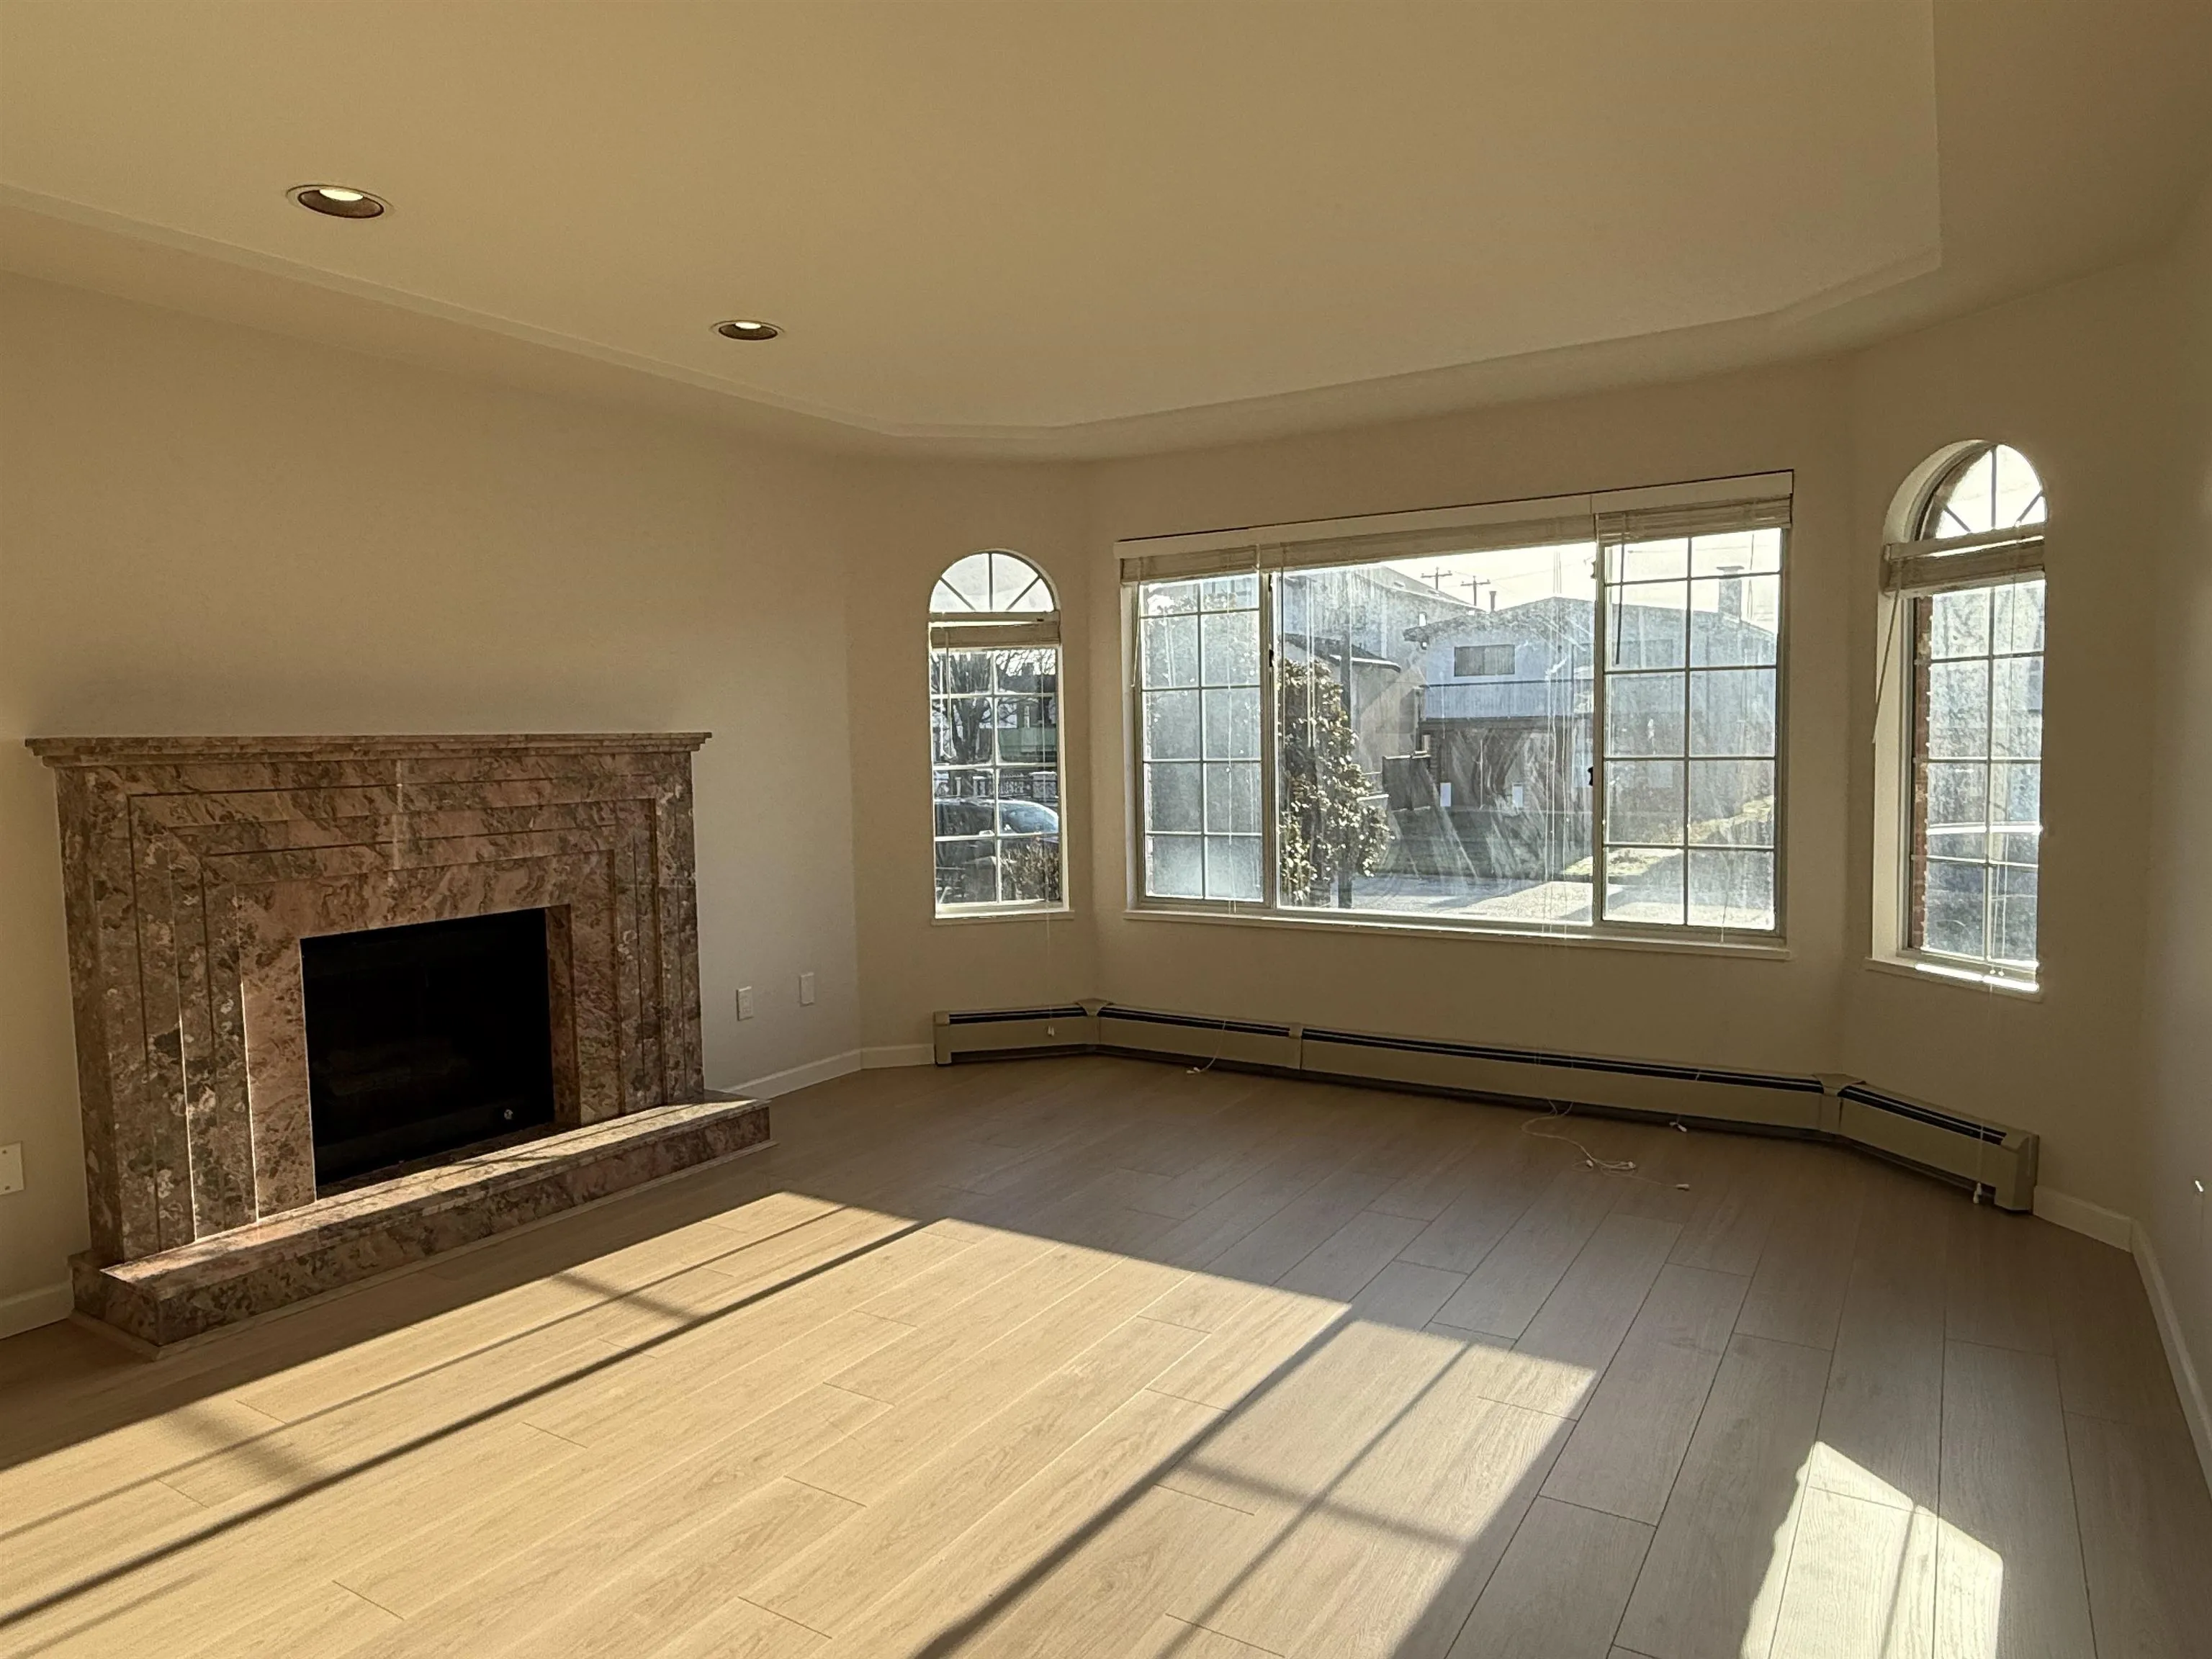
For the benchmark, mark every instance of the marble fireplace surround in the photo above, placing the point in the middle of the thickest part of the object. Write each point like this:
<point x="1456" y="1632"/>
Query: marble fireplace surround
<point x="193" y="866"/>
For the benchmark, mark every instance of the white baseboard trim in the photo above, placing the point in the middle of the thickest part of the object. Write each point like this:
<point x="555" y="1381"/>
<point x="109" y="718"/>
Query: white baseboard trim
<point x="821" y="1071"/>
<point x="2078" y="1215"/>
<point x="899" y="1054"/>
<point x="28" y="1310"/>
<point x="2121" y="1232"/>
<point x="2185" y="1380"/>
<point x="801" y="1077"/>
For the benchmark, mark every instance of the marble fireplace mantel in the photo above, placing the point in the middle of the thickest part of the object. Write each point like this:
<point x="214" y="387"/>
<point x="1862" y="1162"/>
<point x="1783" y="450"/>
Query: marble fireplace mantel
<point x="194" y="866"/>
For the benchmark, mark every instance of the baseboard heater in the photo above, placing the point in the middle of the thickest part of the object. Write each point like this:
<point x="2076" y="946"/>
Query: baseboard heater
<point x="1988" y="1157"/>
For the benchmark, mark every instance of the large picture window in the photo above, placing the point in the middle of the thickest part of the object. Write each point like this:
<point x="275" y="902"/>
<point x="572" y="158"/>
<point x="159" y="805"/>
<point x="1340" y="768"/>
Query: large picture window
<point x="995" y="737"/>
<point x="1560" y="715"/>
<point x="1967" y="618"/>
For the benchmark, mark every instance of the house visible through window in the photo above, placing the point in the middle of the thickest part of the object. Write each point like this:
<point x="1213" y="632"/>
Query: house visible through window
<point x="1969" y="615"/>
<point x="994" y="736"/>
<point x="1568" y="720"/>
<point x="1482" y="662"/>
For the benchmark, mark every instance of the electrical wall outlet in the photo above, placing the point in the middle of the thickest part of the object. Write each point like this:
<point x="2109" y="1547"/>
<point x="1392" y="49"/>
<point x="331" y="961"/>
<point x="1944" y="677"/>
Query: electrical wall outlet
<point x="806" y="990"/>
<point x="11" y="1167"/>
<point x="745" y="1002"/>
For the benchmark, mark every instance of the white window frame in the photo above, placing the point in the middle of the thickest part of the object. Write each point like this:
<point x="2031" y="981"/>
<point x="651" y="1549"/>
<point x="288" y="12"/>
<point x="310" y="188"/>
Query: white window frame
<point x="1003" y="630"/>
<point x="1914" y="567"/>
<point x="1702" y="506"/>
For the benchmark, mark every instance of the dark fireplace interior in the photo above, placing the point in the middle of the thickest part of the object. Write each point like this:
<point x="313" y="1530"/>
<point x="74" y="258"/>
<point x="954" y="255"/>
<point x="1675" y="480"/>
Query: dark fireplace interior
<point x="425" y="1041"/>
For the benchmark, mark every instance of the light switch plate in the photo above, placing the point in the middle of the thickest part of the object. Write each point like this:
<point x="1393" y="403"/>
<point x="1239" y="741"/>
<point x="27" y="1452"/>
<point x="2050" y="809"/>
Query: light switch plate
<point x="11" y="1167"/>
<point x="745" y="1002"/>
<point x="806" y="990"/>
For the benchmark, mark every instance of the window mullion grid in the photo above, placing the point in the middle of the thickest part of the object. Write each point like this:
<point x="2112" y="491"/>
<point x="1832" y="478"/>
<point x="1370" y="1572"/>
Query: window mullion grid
<point x="1689" y="637"/>
<point x="1202" y="624"/>
<point x="1270" y="866"/>
<point x="1686" y="758"/>
<point x="1920" y="622"/>
<point x="990" y="772"/>
<point x="1208" y="691"/>
<point x="1988" y="861"/>
<point x="2000" y="856"/>
<point x="1141" y="818"/>
<point x="1990" y="773"/>
<point x="1604" y="648"/>
<point x="998" y="782"/>
<point x="1203" y="766"/>
<point x="1601" y="682"/>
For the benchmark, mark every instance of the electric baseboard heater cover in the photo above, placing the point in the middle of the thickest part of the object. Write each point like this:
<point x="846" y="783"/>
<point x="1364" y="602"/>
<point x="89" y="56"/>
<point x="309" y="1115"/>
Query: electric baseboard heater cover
<point x="1986" y="1156"/>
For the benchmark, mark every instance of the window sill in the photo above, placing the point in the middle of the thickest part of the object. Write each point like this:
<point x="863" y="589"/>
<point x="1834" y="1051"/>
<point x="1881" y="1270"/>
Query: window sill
<point x="1959" y="979"/>
<point x="1776" y="951"/>
<point x="1009" y="913"/>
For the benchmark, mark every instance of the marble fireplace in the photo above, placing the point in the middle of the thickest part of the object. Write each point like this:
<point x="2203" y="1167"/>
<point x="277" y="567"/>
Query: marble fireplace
<point x="195" y="868"/>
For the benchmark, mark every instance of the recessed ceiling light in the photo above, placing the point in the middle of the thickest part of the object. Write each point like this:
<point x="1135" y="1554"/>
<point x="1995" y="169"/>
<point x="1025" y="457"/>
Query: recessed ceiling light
<point x="747" y="328"/>
<point x="338" y="201"/>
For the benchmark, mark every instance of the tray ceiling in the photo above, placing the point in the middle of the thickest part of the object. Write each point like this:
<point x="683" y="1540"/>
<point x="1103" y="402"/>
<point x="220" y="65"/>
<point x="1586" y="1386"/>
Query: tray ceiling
<point x="1012" y="220"/>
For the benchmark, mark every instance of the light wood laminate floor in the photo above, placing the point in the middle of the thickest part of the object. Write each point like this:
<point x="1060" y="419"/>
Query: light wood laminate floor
<point x="1089" y="1357"/>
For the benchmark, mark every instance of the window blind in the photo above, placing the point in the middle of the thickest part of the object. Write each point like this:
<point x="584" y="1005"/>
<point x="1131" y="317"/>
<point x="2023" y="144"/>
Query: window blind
<point x="1938" y="564"/>
<point x="1659" y="524"/>
<point x="1755" y="501"/>
<point x="1043" y="629"/>
<point x="1475" y="537"/>
<point x="1182" y="566"/>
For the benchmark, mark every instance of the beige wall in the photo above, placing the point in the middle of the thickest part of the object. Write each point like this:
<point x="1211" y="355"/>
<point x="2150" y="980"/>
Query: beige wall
<point x="2075" y="378"/>
<point x="1670" y="1005"/>
<point x="910" y="523"/>
<point x="204" y="528"/>
<point x="2175" y="1150"/>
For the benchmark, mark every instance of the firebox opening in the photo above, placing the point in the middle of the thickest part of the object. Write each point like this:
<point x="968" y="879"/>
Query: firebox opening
<point x="425" y="1041"/>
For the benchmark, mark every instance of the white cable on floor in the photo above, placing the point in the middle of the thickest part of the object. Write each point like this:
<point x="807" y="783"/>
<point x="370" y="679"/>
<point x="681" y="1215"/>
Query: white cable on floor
<point x="1556" y="1112"/>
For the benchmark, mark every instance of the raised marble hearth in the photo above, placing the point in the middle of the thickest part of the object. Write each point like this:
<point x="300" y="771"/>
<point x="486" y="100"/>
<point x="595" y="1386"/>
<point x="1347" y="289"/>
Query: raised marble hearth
<point x="338" y="1241"/>
<point x="194" y="867"/>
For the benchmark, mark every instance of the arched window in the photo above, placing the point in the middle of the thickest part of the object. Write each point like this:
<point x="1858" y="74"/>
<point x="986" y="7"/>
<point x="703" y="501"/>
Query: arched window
<point x="1991" y="488"/>
<point x="994" y="736"/>
<point x="992" y="584"/>
<point x="1966" y="617"/>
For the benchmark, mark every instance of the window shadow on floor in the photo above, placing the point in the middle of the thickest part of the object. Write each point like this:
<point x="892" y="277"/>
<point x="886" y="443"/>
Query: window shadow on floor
<point x="1379" y="1480"/>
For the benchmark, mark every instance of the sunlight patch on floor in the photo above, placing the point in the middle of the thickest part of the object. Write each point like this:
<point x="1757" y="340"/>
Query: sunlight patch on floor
<point x="1861" y="1571"/>
<point x="1376" y="1481"/>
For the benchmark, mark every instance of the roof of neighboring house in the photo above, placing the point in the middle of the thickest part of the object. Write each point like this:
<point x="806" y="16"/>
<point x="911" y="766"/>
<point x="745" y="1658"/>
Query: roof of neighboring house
<point x="1561" y="617"/>
<point x="1399" y="584"/>
<point x="1297" y="650"/>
